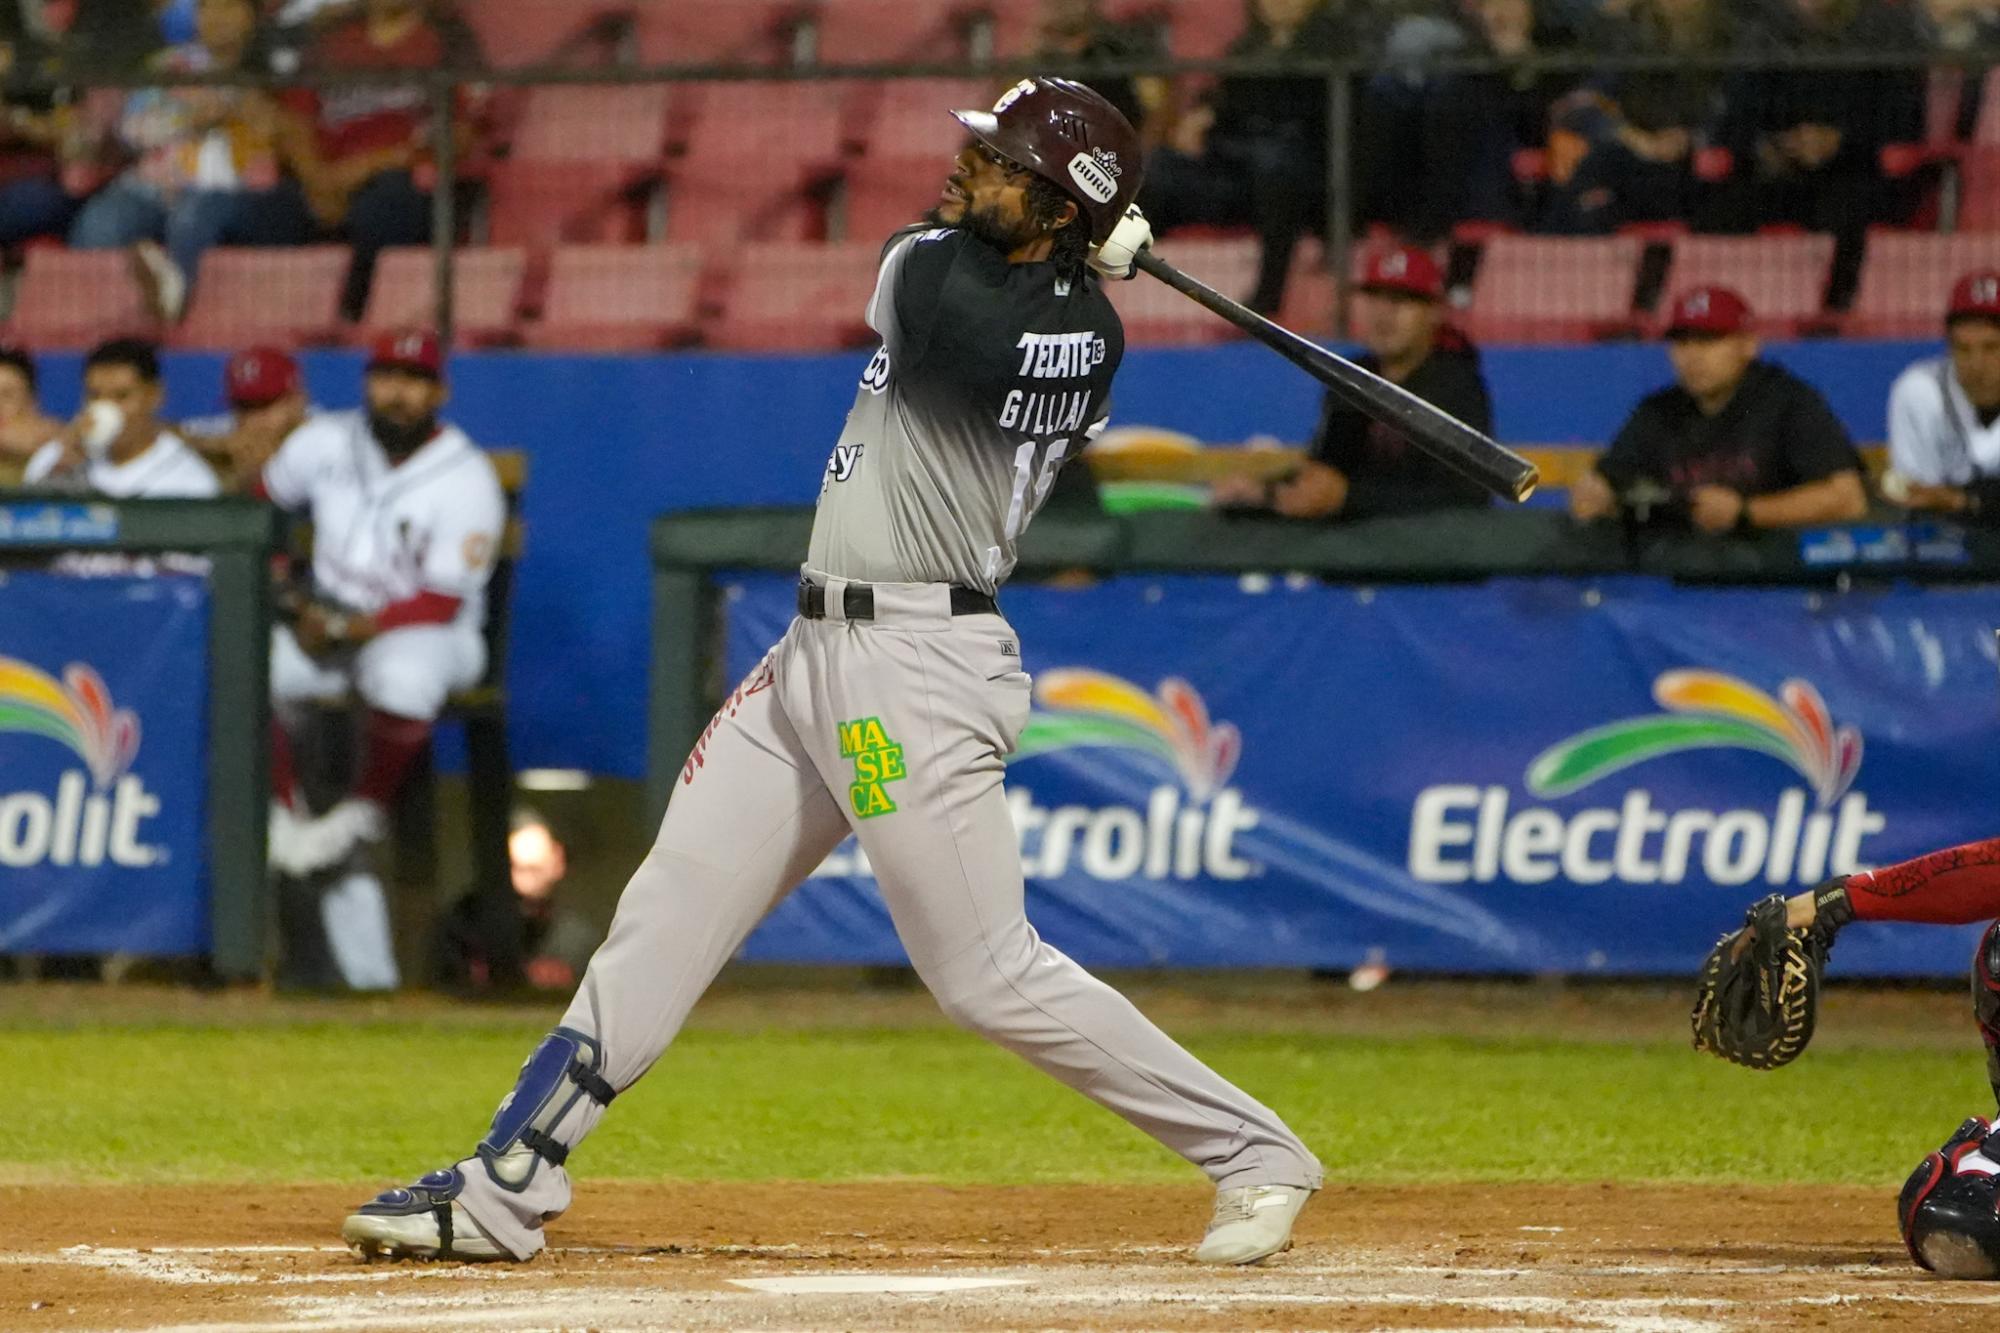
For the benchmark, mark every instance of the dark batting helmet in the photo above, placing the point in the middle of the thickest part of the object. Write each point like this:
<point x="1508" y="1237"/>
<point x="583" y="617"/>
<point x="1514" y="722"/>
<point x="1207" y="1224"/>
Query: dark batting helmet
<point x="1070" y="136"/>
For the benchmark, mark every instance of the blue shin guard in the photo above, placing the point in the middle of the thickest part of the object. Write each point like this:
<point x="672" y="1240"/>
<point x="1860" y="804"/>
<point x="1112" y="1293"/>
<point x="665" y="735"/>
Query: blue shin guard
<point x="562" y="1071"/>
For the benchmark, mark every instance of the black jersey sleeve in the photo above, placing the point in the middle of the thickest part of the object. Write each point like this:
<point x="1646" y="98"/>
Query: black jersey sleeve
<point x="912" y="290"/>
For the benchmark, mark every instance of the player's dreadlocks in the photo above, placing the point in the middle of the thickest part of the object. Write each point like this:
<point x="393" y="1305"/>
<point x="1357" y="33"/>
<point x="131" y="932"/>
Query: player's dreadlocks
<point x="1071" y="255"/>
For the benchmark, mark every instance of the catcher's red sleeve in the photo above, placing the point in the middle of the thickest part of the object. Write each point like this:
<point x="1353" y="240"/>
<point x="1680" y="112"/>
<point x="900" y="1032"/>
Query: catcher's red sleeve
<point x="1954" y="887"/>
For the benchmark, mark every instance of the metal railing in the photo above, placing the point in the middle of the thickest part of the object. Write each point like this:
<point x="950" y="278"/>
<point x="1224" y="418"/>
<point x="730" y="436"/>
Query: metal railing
<point x="443" y="88"/>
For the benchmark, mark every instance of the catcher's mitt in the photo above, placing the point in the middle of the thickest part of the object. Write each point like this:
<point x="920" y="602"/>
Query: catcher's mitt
<point x="1758" y="992"/>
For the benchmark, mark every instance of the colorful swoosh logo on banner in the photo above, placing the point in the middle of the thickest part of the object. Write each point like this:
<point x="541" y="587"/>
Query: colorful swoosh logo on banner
<point x="1081" y="707"/>
<point x="75" y="711"/>
<point x="1709" y="710"/>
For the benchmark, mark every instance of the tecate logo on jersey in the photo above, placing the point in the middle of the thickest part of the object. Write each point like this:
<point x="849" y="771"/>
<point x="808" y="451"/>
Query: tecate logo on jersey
<point x="1462" y="833"/>
<point x="1186" y="830"/>
<point x="95" y="815"/>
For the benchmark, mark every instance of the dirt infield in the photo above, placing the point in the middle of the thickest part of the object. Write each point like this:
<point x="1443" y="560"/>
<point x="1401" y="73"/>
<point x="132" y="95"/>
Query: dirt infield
<point x="1627" y="1259"/>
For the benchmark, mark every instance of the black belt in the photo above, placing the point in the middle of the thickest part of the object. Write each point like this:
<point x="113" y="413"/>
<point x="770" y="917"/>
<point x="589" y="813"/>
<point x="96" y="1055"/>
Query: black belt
<point x="858" y="601"/>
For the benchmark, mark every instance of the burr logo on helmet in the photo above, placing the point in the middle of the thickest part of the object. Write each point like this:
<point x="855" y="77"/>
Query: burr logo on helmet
<point x="1093" y="178"/>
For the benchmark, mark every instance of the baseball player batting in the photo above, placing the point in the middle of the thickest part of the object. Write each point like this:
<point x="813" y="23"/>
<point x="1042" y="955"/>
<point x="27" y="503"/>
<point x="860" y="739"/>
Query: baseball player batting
<point x="888" y="708"/>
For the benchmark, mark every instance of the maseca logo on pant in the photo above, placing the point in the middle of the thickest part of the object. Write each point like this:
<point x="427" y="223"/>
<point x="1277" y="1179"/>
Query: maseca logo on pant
<point x="1461" y="833"/>
<point x="1186" y="830"/>
<point x="96" y="814"/>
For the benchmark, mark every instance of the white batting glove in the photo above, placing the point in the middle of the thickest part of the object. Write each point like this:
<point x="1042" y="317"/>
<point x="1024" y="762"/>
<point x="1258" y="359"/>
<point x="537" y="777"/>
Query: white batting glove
<point x="1114" y="258"/>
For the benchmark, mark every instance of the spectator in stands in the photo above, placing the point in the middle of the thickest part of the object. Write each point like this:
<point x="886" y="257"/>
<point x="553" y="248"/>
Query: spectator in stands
<point x="1078" y="31"/>
<point x="1361" y="468"/>
<point x="356" y="150"/>
<point x="1439" y="150"/>
<point x="407" y="518"/>
<point x="35" y="122"/>
<point x="267" y="402"/>
<point x="117" y="446"/>
<point x="1738" y="443"/>
<point x="205" y="165"/>
<point x="1952" y="92"/>
<point x="1944" y="412"/>
<point x="24" y="427"/>
<point x="1807" y="141"/>
<point x="556" y="941"/>
<point x="1624" y="147"/>
<point x="1255" y="151"/>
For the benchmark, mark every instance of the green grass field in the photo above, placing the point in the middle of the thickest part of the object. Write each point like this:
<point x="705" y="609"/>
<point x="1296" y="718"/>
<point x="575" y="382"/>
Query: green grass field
<point x="1432" y="1083"/>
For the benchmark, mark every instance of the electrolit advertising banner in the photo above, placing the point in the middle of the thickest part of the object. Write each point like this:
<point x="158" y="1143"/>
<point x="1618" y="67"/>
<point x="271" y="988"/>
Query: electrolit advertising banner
<point x="103" y="773"/>
<point x="1520" y="776"/>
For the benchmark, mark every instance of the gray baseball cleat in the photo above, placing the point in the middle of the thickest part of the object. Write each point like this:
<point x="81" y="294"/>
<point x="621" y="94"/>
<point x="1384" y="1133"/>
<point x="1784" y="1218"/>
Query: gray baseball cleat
<point x="420" y="1221"/>
<point x="1251" y="1223"/>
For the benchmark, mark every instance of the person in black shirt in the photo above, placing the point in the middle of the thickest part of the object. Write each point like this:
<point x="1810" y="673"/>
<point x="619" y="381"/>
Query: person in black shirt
<point x="1740" y="442"/>
<point x="1254" y="151"/>
<point x="1361" y="468"/>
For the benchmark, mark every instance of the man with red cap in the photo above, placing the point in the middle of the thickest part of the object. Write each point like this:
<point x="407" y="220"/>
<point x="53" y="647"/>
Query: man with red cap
<point x="1944" y="412"/>
<point x="407" y="516"/>
<point x="267" y="402"/>
<point x="1360" y="467"/>
<point x="1737" y="443"/>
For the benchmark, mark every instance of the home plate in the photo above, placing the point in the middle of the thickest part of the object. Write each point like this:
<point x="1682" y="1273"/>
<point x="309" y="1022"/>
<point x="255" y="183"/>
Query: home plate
<point x="869" y="1283"/>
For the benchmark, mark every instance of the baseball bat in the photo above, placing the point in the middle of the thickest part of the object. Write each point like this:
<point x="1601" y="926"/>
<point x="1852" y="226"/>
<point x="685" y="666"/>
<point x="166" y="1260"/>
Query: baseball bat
<point x="1473" y="455"/>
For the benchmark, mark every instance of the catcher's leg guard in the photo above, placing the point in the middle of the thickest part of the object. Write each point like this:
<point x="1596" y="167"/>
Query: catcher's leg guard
<point x="1986" y="1001"/>
<point x="561" y="1072"/>
<point x="1947" y="1216"/>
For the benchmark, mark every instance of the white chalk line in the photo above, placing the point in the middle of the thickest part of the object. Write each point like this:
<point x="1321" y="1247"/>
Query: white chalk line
<point x="181" y="1266"/>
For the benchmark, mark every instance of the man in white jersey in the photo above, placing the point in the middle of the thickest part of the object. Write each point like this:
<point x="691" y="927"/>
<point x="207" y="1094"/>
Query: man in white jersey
<point x="887" y="711"/>
<point x="116" y="446"/>
<point x="1944" y="412"/>
<point x="407" y="516"/>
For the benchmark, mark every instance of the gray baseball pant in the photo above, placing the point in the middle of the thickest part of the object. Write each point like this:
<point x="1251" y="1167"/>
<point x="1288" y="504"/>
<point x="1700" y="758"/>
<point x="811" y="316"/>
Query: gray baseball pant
<point x="894" y="728"/>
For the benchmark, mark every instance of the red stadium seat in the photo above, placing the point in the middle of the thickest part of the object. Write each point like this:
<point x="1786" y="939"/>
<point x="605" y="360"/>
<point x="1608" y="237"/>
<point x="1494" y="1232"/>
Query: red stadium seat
<point x="874" y="32"/>
<point x="514" y="33"/>
<point x="912" y="118"/>
<point x="757" y="159"/>
<point x="486" y="292"/>
<point x="1979" y="192"/>
<point x="255" y="296"/>
<point x="1782" y="277"/>
<point x="544" y="203"/>
<point x="1157" y="314"/>
<point x="620" y="297"/>
<point x="1906" y="278"/>
<point x="583" y="160"/>
<point x="799" y="296"/>
<point x="1553" y="288"/>
<point x="705" y="32"/>
<point x="1203" y="29"/>
<point x="602" y="123"/>
<point x="74" y="298"/>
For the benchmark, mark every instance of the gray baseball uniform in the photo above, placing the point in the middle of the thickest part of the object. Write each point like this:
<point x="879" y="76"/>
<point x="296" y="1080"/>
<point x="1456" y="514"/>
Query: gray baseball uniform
<point x="888" y="714"/>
